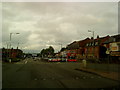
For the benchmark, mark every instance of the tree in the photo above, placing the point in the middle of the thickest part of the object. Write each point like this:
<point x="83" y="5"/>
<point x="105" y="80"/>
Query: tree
<point x="47" y="52"/>
<point x="51" y="50"/>
<point x="42" y="53"/>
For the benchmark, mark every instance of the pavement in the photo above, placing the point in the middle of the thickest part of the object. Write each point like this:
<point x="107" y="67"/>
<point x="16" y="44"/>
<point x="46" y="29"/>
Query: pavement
<point x="114" y="75"/>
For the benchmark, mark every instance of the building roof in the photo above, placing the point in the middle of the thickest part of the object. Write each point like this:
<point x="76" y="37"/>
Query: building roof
<point x="77" y="44"/>
<point x="82" y="43"/>
<point x="11" y="50"/>
<point x="115" y="38"/>
<point x="73" y="45"/>
<point x="97" y="41"/>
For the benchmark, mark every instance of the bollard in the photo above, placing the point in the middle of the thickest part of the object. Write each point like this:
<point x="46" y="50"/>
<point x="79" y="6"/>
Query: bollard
<point x="84" y="63"/>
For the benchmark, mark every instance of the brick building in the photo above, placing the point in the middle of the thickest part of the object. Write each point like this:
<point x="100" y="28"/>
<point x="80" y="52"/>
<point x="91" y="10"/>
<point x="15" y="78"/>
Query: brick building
<point x="95" y="49"/>
<point x="12" y="54"/>
<point x="78" y="48"/>
<point x="113" y="47"/>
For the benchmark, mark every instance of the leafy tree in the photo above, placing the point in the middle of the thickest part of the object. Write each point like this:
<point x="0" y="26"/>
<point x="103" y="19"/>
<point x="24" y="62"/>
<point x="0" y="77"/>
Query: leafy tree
<point x="47" y="52"/>
<point x="51" y="50"/>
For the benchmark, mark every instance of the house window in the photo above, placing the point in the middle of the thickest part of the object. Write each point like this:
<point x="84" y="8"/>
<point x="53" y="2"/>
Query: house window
<point x="92" y="43"/>
<point x="86" y="44"/>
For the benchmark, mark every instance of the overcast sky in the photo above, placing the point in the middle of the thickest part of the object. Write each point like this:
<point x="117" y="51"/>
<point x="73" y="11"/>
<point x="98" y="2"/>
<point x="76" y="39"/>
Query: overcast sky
<point x="43" y="24"/>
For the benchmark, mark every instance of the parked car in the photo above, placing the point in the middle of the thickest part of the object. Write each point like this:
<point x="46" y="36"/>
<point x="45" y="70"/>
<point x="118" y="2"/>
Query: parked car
<point x="71" y="59"/>
<point x="63" y="59"/>
<point x="49" y="59"/>
<point x="54" y="59"/>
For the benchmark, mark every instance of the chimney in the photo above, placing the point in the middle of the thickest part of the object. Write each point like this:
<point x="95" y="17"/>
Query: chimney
<point x="97" y="36"/>
<point x="91" y="37"/>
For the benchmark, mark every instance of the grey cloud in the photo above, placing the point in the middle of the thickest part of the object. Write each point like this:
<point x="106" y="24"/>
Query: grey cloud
<point x="43" y="24"/>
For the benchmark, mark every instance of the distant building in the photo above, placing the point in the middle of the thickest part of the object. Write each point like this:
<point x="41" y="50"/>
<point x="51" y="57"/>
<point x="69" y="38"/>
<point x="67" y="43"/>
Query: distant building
<point x="12" y="54"/>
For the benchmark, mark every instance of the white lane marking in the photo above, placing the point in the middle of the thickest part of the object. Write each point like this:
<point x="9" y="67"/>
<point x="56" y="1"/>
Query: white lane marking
<point x="92" y="77"/>
<point x="84" y="77"/>
<point x="44" y="78"/>
<point x="53" y="78"/>
<point x="76" y="77"/>
<point x="99" y="77"/>
<point x="25" y="62"/>
<point x="35" y="79"/>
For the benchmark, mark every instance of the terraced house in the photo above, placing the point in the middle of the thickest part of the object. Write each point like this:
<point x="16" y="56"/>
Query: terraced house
<point x="78" y="47"/>
<point x="95" y="49"/>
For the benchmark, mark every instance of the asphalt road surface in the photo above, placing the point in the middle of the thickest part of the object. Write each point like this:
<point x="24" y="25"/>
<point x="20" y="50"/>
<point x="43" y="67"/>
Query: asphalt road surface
<point x="41" y="74"/>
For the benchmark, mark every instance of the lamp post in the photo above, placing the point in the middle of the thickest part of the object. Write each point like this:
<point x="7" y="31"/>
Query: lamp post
<point x="92" y="33"/>
<point x="93" y="40"/>
<point x="60" y="49"/>
<point x="10" y="46"/>
<point x="93" y="46"/>
<point x="60" y="45"/>
<point x="11" y="38"/>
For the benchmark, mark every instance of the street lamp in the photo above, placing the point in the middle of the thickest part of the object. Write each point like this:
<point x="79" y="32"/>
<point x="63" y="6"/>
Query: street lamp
<point x="93" y="45"/>
<point x="11" y="38"/>
<point x="93" y="40"/>
<point x="10" y="45"/>
<point x="61" y="45"/>
<point x="92" y="33"/>
<point x="61" y="49"/>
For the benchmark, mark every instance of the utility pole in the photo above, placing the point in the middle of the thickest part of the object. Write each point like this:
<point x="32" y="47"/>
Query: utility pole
<point x="60" y="45"/>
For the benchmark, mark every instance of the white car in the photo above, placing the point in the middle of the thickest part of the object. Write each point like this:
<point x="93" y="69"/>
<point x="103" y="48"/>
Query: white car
<point x="53" y="59"/>
<point x="49" y="59"/>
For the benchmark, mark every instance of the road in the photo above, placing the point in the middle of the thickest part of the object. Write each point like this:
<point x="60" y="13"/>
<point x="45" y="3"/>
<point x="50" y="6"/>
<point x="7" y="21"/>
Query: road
<point x="41" y="74"/>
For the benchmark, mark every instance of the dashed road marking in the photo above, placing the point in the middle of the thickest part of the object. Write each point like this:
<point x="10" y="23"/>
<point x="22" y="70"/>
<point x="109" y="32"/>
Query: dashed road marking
<point x="35" y="79"/>
<point x="44" y="79"/>
<point x="92" y="77"/>
<point x="99" y="77"/>
<point x="76" y="78"/>
<point x="84" y="77"/>
<point x="53" y="78"/>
